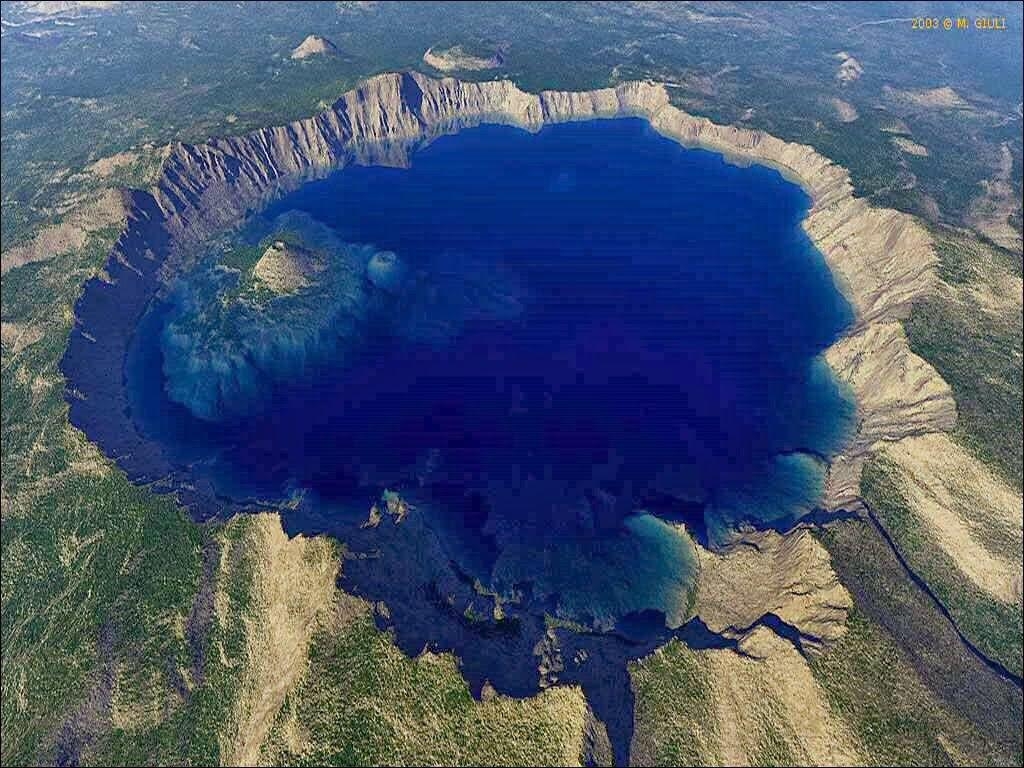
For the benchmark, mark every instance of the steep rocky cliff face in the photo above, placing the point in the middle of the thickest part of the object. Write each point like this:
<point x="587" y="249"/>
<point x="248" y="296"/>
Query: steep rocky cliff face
<point x="211" y="186"/>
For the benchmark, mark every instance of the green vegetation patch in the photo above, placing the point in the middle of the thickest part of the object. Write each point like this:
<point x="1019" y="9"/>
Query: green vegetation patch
<point x="363" y="702"/>
<point x="903" y="679"/>
<point x="675" y="716"/>
<point x="98" y="574"/>
<point x="977" y="351"/>
<point x="996" y="628"/>
<point x="870" y="684"/>
<point x="207" y="681"/>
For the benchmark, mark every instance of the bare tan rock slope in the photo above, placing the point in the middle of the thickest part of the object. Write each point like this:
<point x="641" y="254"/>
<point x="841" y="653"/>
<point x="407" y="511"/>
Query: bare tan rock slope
<point x="990" y="212"/>
<point x="779" y="689"/>
<point x="456" y="58"/>
<point x="789" y="576"/>
<point x="970" y="512"/>
<point x="70" y="234"/>
<point x="292" y="589"/>
<point x="285" y="268"/>
<point x="314" y="45"/>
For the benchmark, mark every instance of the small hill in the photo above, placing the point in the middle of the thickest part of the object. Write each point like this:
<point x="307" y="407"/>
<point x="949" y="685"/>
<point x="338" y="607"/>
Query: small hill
<point x="933" y="98"/>
<point x="845" y="111"/>
<point x="910" y="147"/>
<point x="849" y="68"/>
<point x="286" y="268"/>
<point x="457" y="58"/>
<point x="314" y="45"/>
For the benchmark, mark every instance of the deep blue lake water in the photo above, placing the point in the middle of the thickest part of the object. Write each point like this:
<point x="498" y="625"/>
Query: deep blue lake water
<point x="599" y="333"/>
